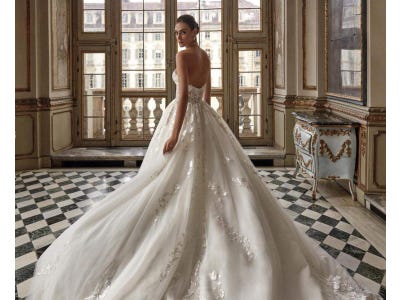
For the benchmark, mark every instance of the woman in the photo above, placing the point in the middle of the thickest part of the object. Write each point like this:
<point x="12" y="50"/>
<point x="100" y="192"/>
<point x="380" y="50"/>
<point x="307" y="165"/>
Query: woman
<point x="195" y="223"/>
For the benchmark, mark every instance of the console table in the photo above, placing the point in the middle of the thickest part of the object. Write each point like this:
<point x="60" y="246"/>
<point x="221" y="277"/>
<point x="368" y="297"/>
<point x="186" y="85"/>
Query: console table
<point x="326" y="147"/>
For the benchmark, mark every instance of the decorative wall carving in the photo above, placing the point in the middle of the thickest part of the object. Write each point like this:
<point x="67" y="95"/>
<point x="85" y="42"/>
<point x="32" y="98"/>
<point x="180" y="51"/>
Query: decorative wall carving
<point x="60" y="44"/>
<point x="363" y="140"/>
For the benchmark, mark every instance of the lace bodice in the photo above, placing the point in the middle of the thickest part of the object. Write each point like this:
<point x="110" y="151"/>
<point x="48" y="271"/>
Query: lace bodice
<point x="195" y="93"/>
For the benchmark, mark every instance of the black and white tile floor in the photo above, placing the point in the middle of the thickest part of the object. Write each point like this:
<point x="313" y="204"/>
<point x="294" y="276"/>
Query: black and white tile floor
<point x="48" y="202"/>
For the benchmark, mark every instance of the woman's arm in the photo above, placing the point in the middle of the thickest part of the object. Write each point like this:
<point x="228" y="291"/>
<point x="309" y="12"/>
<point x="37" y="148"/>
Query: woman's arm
<point x="182" y="71"/>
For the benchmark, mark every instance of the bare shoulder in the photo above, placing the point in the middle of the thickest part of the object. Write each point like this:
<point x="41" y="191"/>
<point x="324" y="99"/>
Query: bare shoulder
<point x="182" y="55"/>
<point x="205" y="57"/>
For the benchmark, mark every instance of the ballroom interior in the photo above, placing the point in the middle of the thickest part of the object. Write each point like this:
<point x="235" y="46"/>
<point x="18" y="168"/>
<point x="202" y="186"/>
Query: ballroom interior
<point x="301" y="84"/>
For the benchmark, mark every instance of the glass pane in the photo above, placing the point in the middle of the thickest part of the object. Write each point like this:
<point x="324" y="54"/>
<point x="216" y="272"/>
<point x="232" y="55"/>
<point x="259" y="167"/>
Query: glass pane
<point x="351" y="14"/>
<point x="154" y="79"/>
<point x="154" y="4"/>
<point x="134" y="80"/>
<point x="217" y="104"/>
<point x="188" y="4"/>
<point x="350" y="68"/>
<point x="143" y="46"/>
<point x="210" y="4"/>
<point x="250" y="126"/>
<point x="154" y="21"/>
<point x="140" y="117"/>
<point x="249" y="19"/>
<point x="93" y="95"/>
<point x="132" y="4"/>
<point x="216" y="78"/>
<point x="249" y="100"/>
<point x="94" y="106"/>
<point x="249" y="4"/>
<point x="94" y="128"/>
<point x="211" y="43"/>
<point x="94" y="4"/>
<point x="94" y="20"/>
<point x="94" y="84"/>
<point x="210" y="20"/>
<point x="132" y="21"/>
<point x="155" y="57"/>
<point x="132" y="52"/>
<point x="94" y="63"/>
<point x="194" y="13"/>
<point x="250" y="61"/>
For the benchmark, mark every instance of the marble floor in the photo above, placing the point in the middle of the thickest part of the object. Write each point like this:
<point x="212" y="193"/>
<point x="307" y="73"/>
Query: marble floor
<point x="48" y="201"/>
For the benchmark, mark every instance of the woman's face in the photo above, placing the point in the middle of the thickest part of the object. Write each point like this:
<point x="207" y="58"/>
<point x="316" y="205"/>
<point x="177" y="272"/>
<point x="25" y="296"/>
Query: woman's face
<point x="184" y="35"/>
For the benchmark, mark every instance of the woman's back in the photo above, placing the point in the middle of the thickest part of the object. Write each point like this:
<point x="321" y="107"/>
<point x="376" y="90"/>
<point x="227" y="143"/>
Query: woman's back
<point x="198" y="65"/>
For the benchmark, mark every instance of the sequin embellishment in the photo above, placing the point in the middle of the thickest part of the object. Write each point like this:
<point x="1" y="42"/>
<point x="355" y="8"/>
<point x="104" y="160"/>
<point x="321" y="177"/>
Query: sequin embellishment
<point x="241" y="181"/>
<point x="236" y="237"/>
<point x="163" y="201"/>
<point x="175" y="255"/>
<point x="216" y="286"/>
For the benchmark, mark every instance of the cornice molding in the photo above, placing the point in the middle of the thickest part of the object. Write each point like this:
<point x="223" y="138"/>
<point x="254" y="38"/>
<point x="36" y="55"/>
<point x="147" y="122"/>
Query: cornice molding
<point x="362" y="114"/>
<point x="42" y="103"/>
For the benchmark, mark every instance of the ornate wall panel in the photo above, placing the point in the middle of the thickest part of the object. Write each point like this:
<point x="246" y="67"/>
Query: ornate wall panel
<point x="309" y="41"/>
<point x="279" y="118"/>
<point x="24" y="127"/>
<point x="279" y="43"/>
<point x="379" y="159"/>
<point x="60" y="44"/>
<point x="22" y="43"/>
<point x="61" y="125"/>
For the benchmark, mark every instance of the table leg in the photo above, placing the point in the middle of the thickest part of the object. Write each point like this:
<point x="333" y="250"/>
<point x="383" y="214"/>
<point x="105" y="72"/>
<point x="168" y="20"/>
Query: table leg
<point x="352" y="190"/>
<point x="297" y="169"/>
<point x="314" y="188"/>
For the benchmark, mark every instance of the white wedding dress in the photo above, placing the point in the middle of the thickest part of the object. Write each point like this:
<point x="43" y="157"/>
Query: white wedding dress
<point x="196" y="223"/>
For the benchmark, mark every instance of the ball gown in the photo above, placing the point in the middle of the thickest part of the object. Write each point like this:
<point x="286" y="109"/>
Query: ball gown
<point x="195" y="223"/>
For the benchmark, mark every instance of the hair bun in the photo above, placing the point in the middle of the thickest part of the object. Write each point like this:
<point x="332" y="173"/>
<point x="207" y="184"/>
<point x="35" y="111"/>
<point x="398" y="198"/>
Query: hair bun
<point x="190" y="20"/>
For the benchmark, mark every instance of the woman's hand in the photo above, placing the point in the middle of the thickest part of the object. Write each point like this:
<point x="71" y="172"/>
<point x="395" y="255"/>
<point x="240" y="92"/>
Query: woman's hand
<point x="170" y="144"/>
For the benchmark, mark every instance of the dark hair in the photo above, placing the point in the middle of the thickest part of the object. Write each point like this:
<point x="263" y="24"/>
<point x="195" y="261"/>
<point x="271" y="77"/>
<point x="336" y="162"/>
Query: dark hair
<point x="189" y="20"/>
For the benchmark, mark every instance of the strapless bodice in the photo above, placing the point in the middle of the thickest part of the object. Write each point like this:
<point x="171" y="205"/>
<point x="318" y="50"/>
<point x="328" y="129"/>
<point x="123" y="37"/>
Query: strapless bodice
<point x="195" y="93"/>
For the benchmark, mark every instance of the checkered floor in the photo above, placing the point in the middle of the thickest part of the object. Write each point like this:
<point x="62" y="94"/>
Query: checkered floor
<point x="48" y="202"/>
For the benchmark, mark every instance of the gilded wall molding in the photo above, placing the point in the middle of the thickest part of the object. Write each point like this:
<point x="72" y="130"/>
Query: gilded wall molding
<point x="43" y="103"/>
<point x="363" y="140"/>
<point x="376" y="135"/>
<point x="60" y="44"/>
<point x="304" y="25"/>
<point x="28" y="50"/>
<point x="33" y="135"/>
<point x="52" y="124"/>
<point x="278" y="17"/>
<point x="292" y="101"/>
<point x="365" y="115"/>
